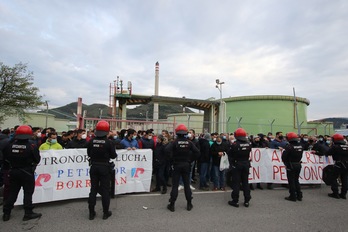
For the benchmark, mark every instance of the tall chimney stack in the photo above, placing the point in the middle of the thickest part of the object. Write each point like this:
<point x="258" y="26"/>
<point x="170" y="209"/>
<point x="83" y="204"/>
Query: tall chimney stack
<point x="155" y="105"/>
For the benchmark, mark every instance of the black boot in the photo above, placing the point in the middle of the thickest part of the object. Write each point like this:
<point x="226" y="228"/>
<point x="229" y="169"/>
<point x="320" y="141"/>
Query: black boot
<point x="189" y="206"/>
<point x="31" y="215"/>
<point x="6" y="217"/>
<point x="164" y="190"/>
<point x="334" y="195"/>
<point x="171" y="206"/>
<point x="290" y="198"/>
<point x="106" y="215"/>
<point x="234" y="204"/>
<point x="343" y="196"/>
<point x="299" y="197"/>
<point x="92" y="214"/>
<point x="258" y="185"/>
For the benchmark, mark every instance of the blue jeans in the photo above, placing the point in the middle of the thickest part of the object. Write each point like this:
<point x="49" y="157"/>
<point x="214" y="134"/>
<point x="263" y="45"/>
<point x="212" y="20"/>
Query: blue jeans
<point x="219" y="177"/>
<point x="202" y="175"/>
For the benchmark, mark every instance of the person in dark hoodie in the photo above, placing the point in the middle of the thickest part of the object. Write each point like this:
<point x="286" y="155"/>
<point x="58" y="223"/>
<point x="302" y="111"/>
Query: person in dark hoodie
<point x="79" y="141"/>
<point x="203" y="161"/>
<point x="218" y="149"/>
<point x="160" y="161"/>
<point x="4" y="180"/>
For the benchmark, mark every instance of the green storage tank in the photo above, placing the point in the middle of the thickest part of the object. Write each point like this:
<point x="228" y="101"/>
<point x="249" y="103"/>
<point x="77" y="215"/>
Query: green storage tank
<point x="270" y="113"/>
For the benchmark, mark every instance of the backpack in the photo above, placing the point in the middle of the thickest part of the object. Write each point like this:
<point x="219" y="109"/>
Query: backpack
<point x="329" y="175"/>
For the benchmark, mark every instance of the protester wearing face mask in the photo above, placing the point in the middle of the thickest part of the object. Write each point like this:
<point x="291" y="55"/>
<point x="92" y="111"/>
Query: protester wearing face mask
<point x="79" y="141"/>
<point x="218" y="149"/>
<point x="328" y="141"/>
<point x="278" y="141"/>
<point x="146" y="141"/>
<point x="305" y="141"/>
<point x="51" y="142"/>
<point x="36" y="139"/>
<point x="130" y="140"/>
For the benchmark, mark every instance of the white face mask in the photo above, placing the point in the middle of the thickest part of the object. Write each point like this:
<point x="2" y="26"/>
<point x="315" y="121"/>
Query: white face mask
<point x="214" y="139"/>
<point x="149" y="137"/>
<point x="189" y="135"/>
<point x="84" y="136"/>
<point x="38" y="134"/>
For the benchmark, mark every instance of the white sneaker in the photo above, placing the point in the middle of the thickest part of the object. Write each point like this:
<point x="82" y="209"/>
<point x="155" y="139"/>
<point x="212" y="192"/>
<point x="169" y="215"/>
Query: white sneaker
<point x="180" y="187"/>
<point x="192" y="188"/>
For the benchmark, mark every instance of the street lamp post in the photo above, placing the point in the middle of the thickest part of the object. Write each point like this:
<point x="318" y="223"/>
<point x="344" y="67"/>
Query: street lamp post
<point x="46" y="103"/>
<point x="219" y="87"/>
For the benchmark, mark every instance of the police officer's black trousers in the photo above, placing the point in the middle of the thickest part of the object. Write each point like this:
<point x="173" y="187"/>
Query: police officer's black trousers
<point x="20" y="178"/>
<point x="293" y="175"/>
<point x="100" y="183"/>
<point x="240" y="173"/>
<point x="183" y="170"/>
<point x="341" y="172"/>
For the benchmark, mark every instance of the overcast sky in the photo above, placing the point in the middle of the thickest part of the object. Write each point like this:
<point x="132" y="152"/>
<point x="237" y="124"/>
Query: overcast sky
<point x="77" y="48"/>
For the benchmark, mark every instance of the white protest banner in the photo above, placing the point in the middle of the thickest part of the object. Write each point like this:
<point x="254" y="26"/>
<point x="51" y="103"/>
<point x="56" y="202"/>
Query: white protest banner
<point x="64" y="174"/>
<point x="267" y="167"/>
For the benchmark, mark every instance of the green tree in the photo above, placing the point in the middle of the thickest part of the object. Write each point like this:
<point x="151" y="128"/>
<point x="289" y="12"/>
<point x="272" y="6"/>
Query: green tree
<point x="17" y="92"/>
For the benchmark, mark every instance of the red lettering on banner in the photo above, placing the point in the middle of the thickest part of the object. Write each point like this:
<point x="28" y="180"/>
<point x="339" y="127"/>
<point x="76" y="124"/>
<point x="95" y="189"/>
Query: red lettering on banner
<point x="275" y="156"/>
<point x="255" y="155"/>
<point x="79" y="184"/>
<point x="122" y="180"/>
<point x="255" y="173"/>
<point x="308" y="158"/>
<point x="311" y="173"/>
<point x="72" y="184"/>
<point x="60" y="185"/>
<point x="279" y="170"/>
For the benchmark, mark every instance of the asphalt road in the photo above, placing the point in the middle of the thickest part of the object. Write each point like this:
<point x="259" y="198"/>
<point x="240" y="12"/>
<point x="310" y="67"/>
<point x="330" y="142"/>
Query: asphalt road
<point x="268" y="211"/>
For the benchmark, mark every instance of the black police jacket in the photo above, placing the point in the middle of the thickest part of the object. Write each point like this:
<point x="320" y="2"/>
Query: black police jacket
<point x="239" y="151"/>
<point x="21" y="154"/>
<point x="101" y="150"/>
<point x="182" y="150"/>
<point x="77" y="143"/>
<point x="339" y="151"/>
<point x="292" y="153"/>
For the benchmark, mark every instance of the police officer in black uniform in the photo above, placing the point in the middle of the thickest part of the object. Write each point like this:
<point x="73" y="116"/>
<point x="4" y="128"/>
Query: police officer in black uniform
<point x="182" y="152"/>
<point x="22" y="158"/>
<point x="291" y="157"/>
<point x="238" y="157"/>
<point x="339" y="152"/>
<point x="100" y="150"/>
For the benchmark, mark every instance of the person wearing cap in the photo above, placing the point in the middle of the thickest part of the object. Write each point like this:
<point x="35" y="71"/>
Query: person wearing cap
<point x="22" y="158"/>
<point x="181" y="152"/>
<point x="339" y="153"/>
<point x="291" y="157"/>
<point x="238" y="157"/>
<point x="100" y="150"/>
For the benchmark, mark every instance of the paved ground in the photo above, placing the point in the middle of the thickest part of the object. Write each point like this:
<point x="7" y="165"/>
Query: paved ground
<point x="268" y="211"/>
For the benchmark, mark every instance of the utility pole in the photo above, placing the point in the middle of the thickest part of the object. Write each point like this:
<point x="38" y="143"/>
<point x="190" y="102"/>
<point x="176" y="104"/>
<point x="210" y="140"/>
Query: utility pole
<point x="219" y="87"/>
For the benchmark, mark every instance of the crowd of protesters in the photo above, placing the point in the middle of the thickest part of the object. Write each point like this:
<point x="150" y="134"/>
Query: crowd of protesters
<point x="212" y="146"/>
